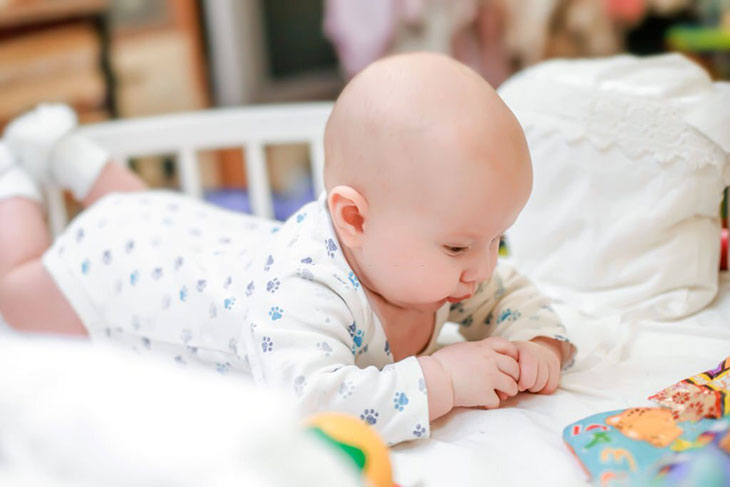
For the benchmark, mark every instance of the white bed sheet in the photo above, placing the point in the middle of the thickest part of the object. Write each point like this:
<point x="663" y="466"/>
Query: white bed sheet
<point x="619" y="365"/>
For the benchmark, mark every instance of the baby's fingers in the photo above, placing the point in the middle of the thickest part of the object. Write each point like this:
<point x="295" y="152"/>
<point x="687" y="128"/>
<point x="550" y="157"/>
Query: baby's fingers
<point x="503" y="346"/>
<point x="543" y="374"/>
<point x="509" y="366"/>
<point x="553" y="378"/>
<point x="528" y="371"/>
<point x="505" y="383"/>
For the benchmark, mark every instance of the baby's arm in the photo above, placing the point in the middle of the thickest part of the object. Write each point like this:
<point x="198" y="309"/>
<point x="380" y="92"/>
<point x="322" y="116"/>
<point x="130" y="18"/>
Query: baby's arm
<point x="307" y="339"/>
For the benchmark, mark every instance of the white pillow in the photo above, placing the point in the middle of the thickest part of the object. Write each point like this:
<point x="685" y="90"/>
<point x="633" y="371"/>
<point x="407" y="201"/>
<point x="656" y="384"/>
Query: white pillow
<point x="630" y="160"/>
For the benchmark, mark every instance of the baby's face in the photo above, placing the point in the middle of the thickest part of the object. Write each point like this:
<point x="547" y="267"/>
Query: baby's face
<point x="437" y="237"/>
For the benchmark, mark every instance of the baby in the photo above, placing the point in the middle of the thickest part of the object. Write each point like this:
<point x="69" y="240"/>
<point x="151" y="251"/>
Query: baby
<point x="425" y="168"/>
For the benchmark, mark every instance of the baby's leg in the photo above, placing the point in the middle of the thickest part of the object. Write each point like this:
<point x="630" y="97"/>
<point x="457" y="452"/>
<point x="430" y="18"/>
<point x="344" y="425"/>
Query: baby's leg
<point x="29" y="298"/>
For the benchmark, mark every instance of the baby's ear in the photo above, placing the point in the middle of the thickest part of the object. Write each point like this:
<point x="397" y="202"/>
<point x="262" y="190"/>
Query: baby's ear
<point x="348" y="209"/>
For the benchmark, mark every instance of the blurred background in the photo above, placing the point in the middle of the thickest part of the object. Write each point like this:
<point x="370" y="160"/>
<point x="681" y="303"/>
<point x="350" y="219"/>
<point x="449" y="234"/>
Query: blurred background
<point x="130" y="58"/>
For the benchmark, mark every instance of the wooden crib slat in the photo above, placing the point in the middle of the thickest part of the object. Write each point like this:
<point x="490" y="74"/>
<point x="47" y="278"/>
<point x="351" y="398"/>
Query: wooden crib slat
<point x="258" y="180"/>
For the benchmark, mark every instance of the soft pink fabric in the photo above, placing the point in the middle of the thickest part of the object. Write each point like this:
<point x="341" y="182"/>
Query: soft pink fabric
<point x="363" y="30"/>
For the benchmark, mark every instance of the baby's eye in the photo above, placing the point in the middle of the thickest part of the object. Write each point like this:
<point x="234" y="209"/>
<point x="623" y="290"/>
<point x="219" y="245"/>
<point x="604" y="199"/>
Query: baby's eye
<point x="454" y="250"/>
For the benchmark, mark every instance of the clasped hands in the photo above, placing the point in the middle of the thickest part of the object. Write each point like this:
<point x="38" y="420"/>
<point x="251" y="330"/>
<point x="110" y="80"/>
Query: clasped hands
<point x="486" y="372"/>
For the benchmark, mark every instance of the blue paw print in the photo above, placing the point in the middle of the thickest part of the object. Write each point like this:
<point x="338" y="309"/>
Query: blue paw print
<point x="387" y="347"/>
<point x="305" y="274"/>
<point x="146" y="343"/>
<point x="227" y="283"/>
<point x="331" y="247"/>
<point x="351" y="328"/>
<point x="419" y="431"/>
<point x="229" y="302"/>
<point x="458" y="307"/>
<point x="250" y="288"/>
<point x="178" y="263"/>
<point x="488" y="320"/>
<point x="400" y="400"/>
<point x="134" y="278"/>
<point x="275" y="312"/>
<point x="273" y="285"/>
<point x="201" y="285"/>
<point x="222" y="368"/>
<point x="266" y="344"/>
<point x="183" y="294"/>
<point x="129" y="246"/>
<point x="79" y="234"/>
<point x="357" y="338"/>
<point x="370" y="416"/>
<point x="306" y="260"/>
<point x="86" y="266"/>
<point x="269" y="262"/>
<point x="508" y="314"/>
<point x="345" y="389"/>
<point x="157" y="273"/>
<point x="300" y="382"/>
<point x="300" y="217"/>
<point x="107" y="257"/>
<point x="353" y="279"/>
<point x="324" y="347"/>
<point x="275" y="229"/>
<point x="467" y="321"/>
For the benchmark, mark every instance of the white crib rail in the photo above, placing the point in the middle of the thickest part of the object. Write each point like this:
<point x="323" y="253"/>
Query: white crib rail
<point x="250" y="128"/>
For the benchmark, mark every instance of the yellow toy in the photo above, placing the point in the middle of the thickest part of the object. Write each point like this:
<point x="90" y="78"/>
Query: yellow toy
<point x="359" y="441"/>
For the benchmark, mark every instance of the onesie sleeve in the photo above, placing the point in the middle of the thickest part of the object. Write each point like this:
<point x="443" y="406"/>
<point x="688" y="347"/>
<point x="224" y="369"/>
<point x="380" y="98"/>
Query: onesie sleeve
<point x="304" y="334"/>
<point x="510" y="306"/>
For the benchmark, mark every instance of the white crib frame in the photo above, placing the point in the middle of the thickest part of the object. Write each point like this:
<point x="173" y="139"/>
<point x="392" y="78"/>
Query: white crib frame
<point x="250" y="128"/>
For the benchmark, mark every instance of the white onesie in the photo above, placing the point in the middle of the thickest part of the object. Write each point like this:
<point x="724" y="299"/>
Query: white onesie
<point x="162" y="272"/>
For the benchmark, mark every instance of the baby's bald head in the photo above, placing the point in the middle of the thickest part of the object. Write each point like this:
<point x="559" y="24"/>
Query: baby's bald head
<point x="406" y="121"/>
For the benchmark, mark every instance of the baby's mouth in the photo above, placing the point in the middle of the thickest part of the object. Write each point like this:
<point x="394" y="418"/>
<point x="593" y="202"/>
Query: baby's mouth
<point x="460" y="298"/>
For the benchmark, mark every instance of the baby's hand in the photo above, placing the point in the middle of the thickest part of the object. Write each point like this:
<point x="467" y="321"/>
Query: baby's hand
<point x="539" y="361"/>
<point x="481" y="372"/>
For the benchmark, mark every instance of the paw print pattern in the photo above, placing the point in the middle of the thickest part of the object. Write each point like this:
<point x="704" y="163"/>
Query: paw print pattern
<point x="306" y="260"/>
<point x="273" y="285"/>
<point x="300" y="382"/>
<point x="370" y="416"/>
<point x="134" y="278"/>
<point x="227" y="283"/>
<point x="325" y="348"/>
<point x="178" y="262"/>
<point x="129" y="246"/>
<point x="229" y="302"/>
<point x="508" y="315"/>
<point x="387" y="347"/>
<point x="223" y="368"/>
<point x="269" y="262"/>
<point x="467" y="321"/>
<point x="345" y="389"/>
<point x="106" y="257"/>
<point x="250" y="288"/>
<point x="200" y="285"/>
<point x="490" y="318"/>
<point x="400" y="401"/>
<point x="86" y="267"/>
<point x="275" y="313"/>
<point x="157" y="273"/>
<point x="266" y="344"/>
<point x="80" y="234"/>
<point x="305" y="274"/>
<point x="419" y="431"/>
<point x="353" y="279"/>
<point x="301" y="217"/>
<point x="330" y="247"/>
<point x="183" y="294"/>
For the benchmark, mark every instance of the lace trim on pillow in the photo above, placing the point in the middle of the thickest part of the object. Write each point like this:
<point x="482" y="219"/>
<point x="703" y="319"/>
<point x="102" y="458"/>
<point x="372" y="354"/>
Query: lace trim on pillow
<point x="637" y="126"/>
